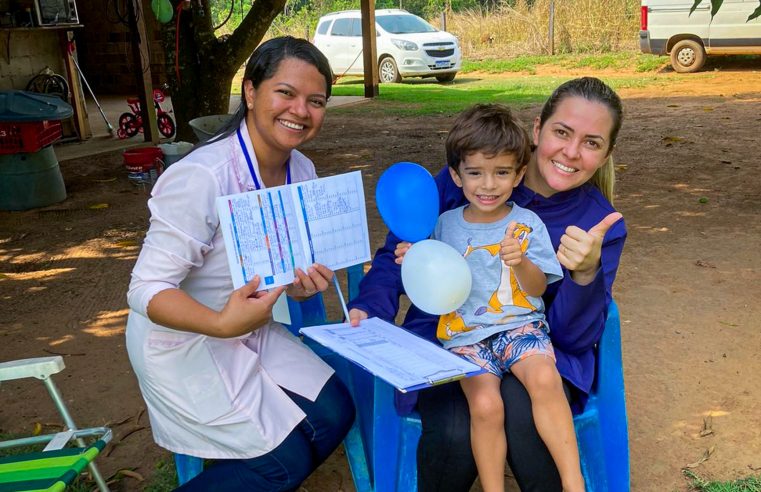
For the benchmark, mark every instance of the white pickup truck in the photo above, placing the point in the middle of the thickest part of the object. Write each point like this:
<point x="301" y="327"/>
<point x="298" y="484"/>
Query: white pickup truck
<point x="668" y="28"/>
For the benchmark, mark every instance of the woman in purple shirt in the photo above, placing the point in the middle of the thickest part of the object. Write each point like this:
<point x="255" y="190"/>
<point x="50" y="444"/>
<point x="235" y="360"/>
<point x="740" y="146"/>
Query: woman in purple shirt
<point x="569" y="184"/>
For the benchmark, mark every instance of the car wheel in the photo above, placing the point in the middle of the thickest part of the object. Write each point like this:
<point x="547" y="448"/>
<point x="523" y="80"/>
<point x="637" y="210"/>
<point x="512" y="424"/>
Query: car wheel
<point x="446" y="78"/>
<point x="387" y="71"/>
<point x="688" y="56"/>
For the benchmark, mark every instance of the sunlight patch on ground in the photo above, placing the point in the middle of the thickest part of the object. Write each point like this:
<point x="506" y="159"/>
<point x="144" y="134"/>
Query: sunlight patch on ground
<point x="39" y="274"/>
<point x="652" y="229"/>
<point x="715" y="413"/>
<point x="102" y="331"/>
<point x="108" y="324"/>
<point x="63" y="339"/>
<point x="685" y="213"/>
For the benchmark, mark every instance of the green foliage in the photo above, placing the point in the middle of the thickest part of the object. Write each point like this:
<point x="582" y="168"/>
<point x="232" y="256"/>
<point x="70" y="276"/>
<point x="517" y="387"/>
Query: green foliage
<point x="697" y="483"/>
<point x="716" y="5"/>
<point x="300" y="16"/>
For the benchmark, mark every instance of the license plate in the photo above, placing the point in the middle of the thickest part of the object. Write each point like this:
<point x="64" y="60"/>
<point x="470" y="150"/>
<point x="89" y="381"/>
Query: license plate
<point x="442" y="63"/>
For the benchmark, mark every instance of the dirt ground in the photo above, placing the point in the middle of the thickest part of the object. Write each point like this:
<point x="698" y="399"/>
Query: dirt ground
<point x="688" y="288"/>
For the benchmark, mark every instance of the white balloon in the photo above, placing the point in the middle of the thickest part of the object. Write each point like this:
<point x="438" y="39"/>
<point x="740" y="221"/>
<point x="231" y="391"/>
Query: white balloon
<point x="436" y="277"/>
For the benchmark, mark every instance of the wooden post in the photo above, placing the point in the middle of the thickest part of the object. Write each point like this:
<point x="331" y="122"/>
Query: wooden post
<point x="444" y="20"/>
<point x="369" y="52"/>
<point x="80" y="120"/>
<point x="552" y="27"/>
<point x="142" y="62"/>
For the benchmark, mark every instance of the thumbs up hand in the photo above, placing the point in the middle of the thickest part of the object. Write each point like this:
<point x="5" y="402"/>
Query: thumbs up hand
<point x="510" y="248"/>
<point x="580" y="250"/>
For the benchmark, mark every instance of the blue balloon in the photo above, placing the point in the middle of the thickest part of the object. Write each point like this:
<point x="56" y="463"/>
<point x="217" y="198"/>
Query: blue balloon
<point x="408" y="201"/>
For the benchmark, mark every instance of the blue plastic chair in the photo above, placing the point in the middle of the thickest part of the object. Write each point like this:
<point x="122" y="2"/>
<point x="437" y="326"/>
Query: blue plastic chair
<point x="390" y="441"/>
<point x="308" y="313"/>
<point x="381" y="445"/>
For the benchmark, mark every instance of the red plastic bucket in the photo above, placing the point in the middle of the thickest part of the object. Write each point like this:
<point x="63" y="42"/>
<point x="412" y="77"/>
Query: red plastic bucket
<point x="144" y="164"/>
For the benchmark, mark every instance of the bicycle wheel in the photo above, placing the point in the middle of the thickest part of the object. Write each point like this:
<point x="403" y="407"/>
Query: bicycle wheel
<point x="52" y="84"/>
<point x="128" y="123"/>
<point x="166" y="125"/>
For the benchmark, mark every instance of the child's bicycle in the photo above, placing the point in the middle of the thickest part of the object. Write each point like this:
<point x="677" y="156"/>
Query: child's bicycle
<point x="130" y="124"/>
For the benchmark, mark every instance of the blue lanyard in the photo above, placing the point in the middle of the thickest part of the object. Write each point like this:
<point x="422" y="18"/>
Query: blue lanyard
<point x="251" y="164"/>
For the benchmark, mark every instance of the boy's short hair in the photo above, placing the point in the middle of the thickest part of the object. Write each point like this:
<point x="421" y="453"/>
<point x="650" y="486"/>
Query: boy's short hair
<point x="490" y="129"/>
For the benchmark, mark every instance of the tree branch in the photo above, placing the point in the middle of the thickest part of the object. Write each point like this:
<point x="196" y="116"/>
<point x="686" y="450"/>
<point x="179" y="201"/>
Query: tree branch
<point x="251" y="31"/>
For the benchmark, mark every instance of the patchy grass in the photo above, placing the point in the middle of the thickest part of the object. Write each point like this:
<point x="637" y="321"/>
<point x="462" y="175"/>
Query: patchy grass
<point x="527" y="64"/>
<point x="622" y="60"/>
<point x="416" y="97"/>
<point x="518" y="64"/>
<point x="697" y="483"/>
<point x="164" y="477"/>
<point x="651" y="63"/>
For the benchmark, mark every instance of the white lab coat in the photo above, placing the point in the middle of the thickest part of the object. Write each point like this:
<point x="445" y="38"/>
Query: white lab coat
<point x="206" y="396"/>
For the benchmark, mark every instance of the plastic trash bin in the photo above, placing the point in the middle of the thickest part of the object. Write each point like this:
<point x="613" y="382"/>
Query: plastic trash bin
<point x="29" y="173"/>
<point x="174" y="151"/>
<point x="206" y="127"/>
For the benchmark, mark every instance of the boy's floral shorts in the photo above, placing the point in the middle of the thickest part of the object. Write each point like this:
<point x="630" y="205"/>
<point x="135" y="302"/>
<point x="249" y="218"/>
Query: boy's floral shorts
<point x="500" y="351"/>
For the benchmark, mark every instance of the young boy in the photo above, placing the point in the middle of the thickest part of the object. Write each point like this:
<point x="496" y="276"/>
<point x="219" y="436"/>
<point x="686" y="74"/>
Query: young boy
<point x="501" y="326"/>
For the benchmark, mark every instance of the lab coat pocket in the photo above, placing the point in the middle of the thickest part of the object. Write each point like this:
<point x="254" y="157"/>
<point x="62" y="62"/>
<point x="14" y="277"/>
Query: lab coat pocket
<point x="188" y="379"/>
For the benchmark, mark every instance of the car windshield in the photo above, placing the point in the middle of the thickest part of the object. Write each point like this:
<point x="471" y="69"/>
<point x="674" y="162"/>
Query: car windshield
<point x="403" y="24"/>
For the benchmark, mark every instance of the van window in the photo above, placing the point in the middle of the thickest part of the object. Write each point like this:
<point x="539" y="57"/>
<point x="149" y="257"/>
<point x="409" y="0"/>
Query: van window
<point x="356" y="27"/>
<point x="323" y="27"/>
<point x="403" y="24"/>
<point x="341" y="27"/>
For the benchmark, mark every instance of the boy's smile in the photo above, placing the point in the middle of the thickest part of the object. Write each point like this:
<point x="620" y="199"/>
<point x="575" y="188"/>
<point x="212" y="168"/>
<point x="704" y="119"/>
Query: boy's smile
<point x="487" y="182"/>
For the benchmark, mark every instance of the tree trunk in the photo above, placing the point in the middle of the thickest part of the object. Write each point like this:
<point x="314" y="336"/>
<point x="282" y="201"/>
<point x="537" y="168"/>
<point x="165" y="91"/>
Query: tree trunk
<point x="200" y="78"/>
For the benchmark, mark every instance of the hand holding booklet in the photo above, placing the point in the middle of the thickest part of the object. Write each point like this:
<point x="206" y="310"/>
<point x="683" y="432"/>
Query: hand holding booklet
<point x="405" y="361"/>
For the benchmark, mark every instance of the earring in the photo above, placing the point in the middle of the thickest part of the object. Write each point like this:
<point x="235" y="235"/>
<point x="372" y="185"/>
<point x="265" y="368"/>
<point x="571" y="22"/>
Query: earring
<point x="250" y="105"/>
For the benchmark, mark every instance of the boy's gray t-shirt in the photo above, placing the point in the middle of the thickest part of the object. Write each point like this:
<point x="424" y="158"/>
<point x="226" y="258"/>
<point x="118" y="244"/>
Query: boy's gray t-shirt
<point x="496" y="303"/>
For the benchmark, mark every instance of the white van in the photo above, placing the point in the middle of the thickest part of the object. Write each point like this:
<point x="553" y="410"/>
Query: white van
<point x="407" y="46"/>
<point x="668" y="28"/>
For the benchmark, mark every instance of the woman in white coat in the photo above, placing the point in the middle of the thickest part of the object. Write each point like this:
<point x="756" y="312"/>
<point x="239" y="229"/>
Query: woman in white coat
<point x="220" y="378"/>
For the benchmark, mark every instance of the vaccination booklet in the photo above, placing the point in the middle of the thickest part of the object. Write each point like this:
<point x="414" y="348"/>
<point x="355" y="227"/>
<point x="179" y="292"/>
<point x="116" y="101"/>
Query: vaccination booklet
<point x="402" y="359"/>
<point x="273" y="231"/>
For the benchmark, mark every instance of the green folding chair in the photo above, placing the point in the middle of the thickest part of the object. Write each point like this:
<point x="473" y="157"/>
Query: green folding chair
<point x="55" y="467"/>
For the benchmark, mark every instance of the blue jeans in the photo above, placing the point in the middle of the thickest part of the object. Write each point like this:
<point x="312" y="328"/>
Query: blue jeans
<point x="327" y="422"/>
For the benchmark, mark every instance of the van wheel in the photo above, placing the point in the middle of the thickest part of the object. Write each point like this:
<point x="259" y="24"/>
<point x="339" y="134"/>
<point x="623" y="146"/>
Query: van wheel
<point x="387" y="71"/>
<point x="688" y="56"/>
<point x="446" y="78"/>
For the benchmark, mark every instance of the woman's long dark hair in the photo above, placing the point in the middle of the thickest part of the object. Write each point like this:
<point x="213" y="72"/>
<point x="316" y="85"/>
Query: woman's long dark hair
<point x="263" y="64"/>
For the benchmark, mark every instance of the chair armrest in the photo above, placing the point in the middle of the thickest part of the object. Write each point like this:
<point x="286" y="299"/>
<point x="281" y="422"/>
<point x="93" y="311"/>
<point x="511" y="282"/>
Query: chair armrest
<point x="38" y="367"/>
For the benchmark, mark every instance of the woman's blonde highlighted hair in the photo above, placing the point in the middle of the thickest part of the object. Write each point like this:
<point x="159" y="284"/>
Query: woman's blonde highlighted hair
<point x="605" y="178"/>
